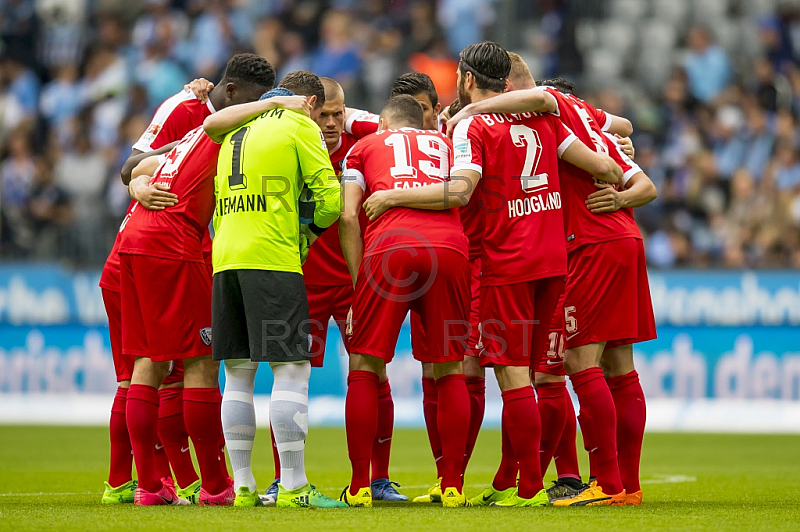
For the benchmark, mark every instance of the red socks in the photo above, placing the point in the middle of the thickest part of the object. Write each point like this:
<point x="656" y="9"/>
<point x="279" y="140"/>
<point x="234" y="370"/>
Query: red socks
<point x="552" y="411"/>
<point x="631" y="414"/>
<point x="141" y="412"/>
<point x="476" y="387"/>
<point x="521" y="417"/>
<point x="453" y="417"/>
<point x="173" y="436"/>
<point x="201" y="410"/>
<point x="361" y="421"/>
<point x="430" y="399"/>
<point x="506" y="476"/>
<point x="119" y="470"/>
<point x="599" y="425"/>
<point x="566" y="455"/>
<point x="383" y="439"/>
<point x="276" y="457"/>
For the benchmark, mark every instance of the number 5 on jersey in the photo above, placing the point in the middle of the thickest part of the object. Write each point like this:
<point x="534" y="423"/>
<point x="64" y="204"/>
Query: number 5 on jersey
<point x="237" y="180"/>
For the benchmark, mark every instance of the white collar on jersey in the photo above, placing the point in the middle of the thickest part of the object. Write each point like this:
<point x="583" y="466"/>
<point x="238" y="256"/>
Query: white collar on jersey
<point x="210" y="106"/>
<point x="338" y="145"/>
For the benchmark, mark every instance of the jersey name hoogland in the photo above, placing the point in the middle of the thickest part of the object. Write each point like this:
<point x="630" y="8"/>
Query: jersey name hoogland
<point x="260" y="173"/>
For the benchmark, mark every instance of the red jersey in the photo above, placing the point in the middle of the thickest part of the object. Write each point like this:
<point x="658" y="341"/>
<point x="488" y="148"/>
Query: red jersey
<point x="517" y="157"/>
<point x="405" y="158"/>
<point x="325" y="265"/>
<point x="581" y="225"/>
<point x="173" y="120"/>
<point x="178" y="232"/>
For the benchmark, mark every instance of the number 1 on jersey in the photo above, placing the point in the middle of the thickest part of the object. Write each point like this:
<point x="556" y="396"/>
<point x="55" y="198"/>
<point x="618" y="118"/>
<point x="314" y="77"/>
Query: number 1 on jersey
<point x="237" y="180"/>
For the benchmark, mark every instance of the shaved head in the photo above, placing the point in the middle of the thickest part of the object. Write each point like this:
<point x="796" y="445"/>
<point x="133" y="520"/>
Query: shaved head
<point x="333" y="91"/>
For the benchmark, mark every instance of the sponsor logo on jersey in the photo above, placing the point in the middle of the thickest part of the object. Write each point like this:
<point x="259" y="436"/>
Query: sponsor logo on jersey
<point x="205" y="335"/>
<point x="462" y="152"/>
<point x="322" y="138"/>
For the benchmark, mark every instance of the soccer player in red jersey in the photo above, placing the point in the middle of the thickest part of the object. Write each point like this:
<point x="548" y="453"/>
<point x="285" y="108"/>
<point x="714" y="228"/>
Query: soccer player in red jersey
<point x="422" y="89"/>
<point x="524" y="255"/>
<point x="174" y="118"/>
<point x="604" y="314"/>
<point x="398" y="266"/>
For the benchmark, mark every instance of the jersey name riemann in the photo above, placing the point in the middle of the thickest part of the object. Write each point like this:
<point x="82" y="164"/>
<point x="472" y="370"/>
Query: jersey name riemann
<point x="260" y="173"/>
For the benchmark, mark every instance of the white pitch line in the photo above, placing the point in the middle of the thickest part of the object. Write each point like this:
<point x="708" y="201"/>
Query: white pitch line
<point x="29" y="494"/>
<point x="669" y="479"/>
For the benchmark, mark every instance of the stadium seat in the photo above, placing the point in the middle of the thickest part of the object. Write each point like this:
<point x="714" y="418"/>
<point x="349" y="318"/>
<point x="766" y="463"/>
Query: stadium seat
<point x="586" y="34"/>
<point x="657" y="34"/>
<point x="674" y="11"/>
<point x="603" y="66"/>
<point x="617" y="36"/>
<point x="710" y="12"/>
<point x="628" y="10"/>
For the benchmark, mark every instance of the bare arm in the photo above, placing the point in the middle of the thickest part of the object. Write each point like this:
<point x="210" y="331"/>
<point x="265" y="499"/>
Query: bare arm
<point x="601" y="166"/>
<point x="350" y="229"/>
<point x="219" y="124"/>
<point x="638" y="191"/>
<point x="620" y="126"/>
<point x="438" y="197"/>
<point x="522" y="101"/>
<point x="137" y="156"/>
<point x="151" y="196"/>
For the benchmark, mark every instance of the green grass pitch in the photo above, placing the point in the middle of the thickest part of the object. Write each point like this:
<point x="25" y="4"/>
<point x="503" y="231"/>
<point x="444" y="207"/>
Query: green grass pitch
<point x="51" y="478"/>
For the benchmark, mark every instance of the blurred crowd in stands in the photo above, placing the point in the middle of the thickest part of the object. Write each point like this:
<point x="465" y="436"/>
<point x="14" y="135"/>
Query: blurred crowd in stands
<point x="713" y="92"/>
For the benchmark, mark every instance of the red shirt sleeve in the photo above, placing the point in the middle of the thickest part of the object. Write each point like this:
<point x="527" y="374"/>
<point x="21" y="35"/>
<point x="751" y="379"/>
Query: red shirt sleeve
<point x="361" y="123"/>
<point x="564" y="135"/>
<point x="167" y="126"/>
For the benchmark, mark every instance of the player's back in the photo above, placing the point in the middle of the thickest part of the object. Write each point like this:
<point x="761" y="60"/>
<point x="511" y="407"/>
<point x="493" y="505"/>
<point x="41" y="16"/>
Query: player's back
<point x="581" y="225"/>
<point x="177" y="232"/>
<point x="406" y="158"/>
<point x="259" y="180"/>
<point x="520" y="195"/>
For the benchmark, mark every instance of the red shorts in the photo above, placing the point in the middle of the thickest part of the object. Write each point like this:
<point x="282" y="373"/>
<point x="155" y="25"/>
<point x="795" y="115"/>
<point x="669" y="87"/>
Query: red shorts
<point x="608" y="295"/>
<point x="166" y="308"/>
<point x="324" y="303"/>
<point x="433" y="282"/>
<point x="553" y="361"/>
<point x="123" y="364"/>
<point x="515" y="321"/>
<point x="473" y="348"/>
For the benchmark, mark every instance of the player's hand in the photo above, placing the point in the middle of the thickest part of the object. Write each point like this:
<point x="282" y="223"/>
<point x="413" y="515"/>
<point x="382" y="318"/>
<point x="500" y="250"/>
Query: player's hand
<point x="461" y="115"/>
<point x="626" y="145"/>
<point x="153" y="197"/>
<point x="200" y="87"/>
<point x="348" y="329"/>
<point x="378" y="203"/>
<point x="444" y="116"/>
<point x="292" y="103"/>
<point x="607" y="199"/>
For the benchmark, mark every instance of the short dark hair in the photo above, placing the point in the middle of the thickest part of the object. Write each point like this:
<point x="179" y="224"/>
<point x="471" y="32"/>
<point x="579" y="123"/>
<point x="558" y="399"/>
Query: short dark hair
<point x="403" y="111"/>
<point x="249" y="69"/>
<point x="413" y="83"/>
<point x="563" y="85"/>
<point x="488" y="62"/>
<point x="454" y="108"/>
<point x="304" y="83"/>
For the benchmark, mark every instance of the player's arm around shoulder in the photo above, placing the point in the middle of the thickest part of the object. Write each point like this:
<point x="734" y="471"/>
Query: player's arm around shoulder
<point x="218" y="125"/>
<point x="514" y="102"/>
<point x="318" y="174"/>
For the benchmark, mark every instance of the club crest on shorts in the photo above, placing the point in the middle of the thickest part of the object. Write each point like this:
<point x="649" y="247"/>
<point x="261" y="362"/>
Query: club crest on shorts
<point x="205" y="335"/>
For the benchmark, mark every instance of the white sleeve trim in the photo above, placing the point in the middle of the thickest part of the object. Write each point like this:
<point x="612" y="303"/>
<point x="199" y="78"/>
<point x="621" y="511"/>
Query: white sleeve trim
<point x="360" y="116"/>
<point x="609" y="120"/>
<point x="467" y="166"/>
<point x="566" y="143"/>
<point x="351" y="175"/>
<point x="630" y="173"/>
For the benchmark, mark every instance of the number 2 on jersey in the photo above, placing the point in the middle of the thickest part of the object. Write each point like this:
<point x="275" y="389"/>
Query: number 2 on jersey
<point x="237" y="180"/>
<point x="525" y="137"/>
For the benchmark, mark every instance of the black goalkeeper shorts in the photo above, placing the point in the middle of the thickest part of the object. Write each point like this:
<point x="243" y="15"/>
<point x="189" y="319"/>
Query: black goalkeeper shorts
<point x="260" y="315"/>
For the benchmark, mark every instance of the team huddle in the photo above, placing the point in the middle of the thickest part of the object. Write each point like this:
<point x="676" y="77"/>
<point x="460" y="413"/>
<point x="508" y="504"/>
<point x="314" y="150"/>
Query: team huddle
<point x="502" y="224"/>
